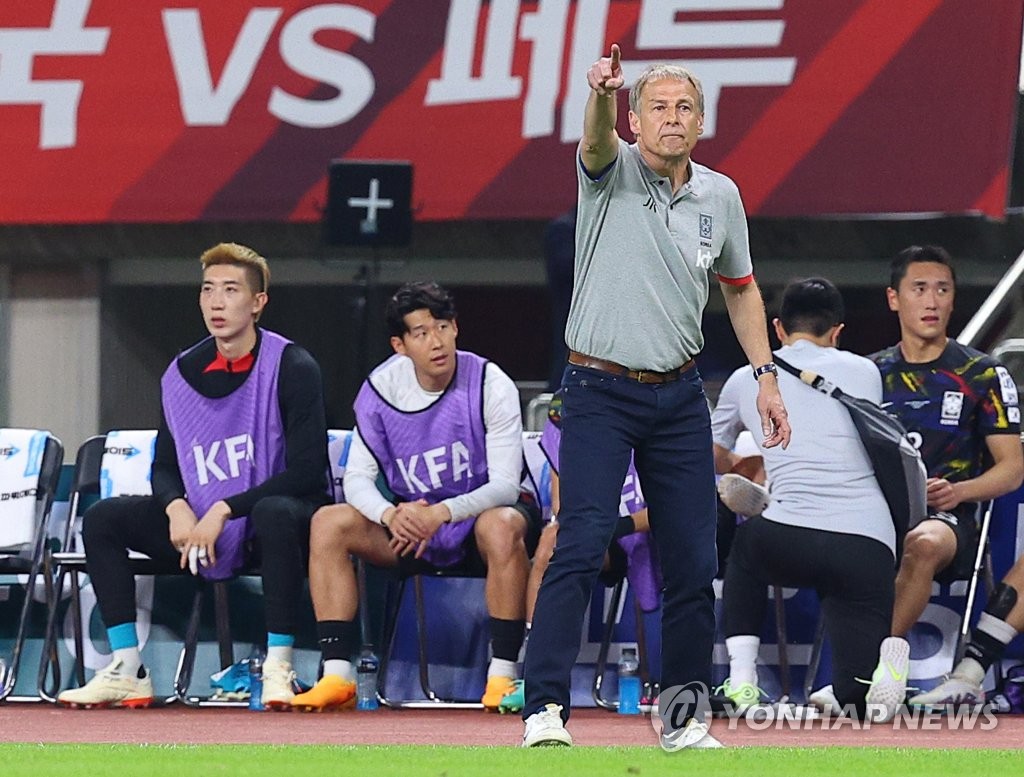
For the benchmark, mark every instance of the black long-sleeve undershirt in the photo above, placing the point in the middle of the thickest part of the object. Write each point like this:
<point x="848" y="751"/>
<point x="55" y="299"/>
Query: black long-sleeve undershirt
<point x="300" y="398"/>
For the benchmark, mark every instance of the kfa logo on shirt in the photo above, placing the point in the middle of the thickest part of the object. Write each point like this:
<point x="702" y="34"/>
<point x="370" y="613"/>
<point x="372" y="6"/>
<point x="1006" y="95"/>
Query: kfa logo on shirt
<point x="434" y="463"/>
<point x="228" y="453"/>
<point x="705" y="258"/>
<point x="952" y="406"/>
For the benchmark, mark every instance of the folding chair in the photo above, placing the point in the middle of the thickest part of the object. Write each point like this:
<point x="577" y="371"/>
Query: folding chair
<point x="600" y="666"/>
<point x="537" y="412"/>
<point x="982" y="566"/>
<point x="533" y="460"/>
<point x="431" y="700"/>
<point x="30" y="463"/>
<point x="112" y="465"/>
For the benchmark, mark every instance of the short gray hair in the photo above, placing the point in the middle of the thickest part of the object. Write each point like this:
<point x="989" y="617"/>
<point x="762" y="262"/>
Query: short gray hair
<point x="661" y="72"/>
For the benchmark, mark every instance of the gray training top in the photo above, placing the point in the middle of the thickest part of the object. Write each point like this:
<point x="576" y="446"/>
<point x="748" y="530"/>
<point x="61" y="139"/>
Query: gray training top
<point x="824" y="479"/>
<point x="642" y="260"/>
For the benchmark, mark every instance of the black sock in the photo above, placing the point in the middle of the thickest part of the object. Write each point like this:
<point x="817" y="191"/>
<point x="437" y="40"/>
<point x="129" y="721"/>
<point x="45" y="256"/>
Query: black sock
<point x="337" y="639"/>
<point x="507" y="638"/>
<point x="624" y="526"/>
<point x="984" y="648"/>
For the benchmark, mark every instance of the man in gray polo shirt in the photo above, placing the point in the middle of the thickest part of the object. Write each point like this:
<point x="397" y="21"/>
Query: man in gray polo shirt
<point x="651" y="225"/>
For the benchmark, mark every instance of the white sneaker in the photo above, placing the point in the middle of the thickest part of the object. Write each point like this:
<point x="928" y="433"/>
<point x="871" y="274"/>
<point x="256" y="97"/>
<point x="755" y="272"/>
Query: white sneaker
<point x="889" y="681"/>
<point x="742" y="495"/>
<point x="546" y="729"/>
<point x="955" y="689"/>
<point x="695" y="734"/>
<point x="112" y="686"/>
<point x="825" y="700"/>
<point x="278" y="684"/>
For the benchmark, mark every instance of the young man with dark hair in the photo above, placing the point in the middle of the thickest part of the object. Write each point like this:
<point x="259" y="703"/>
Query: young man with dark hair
<point x="444" y="429"/>
<point x="240" y="460"/>
<point x="961" y="409"/>
<point x="828" y="525"/>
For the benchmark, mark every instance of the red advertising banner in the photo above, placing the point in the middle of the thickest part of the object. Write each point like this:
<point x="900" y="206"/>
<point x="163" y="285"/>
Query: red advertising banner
<point x="182" y="110"/>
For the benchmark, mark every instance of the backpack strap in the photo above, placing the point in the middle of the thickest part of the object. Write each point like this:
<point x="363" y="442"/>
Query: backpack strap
<point x="812" y="379"/>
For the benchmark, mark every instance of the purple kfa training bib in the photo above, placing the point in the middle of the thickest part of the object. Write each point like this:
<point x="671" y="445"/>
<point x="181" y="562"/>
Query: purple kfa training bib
<point x="434" y="453"/>
<point x="631" y="499"/>
<point x="228" y="445"/>
<point x="643" y="569"/>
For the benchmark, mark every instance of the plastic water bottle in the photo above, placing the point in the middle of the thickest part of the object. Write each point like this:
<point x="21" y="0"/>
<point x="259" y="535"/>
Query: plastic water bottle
<point x="366" y="680"/>
<point x="256" y="680"/>
<point x="629" y="682"/>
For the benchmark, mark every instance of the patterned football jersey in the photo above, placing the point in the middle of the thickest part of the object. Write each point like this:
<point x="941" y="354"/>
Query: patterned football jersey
<point x="950" y="405"/>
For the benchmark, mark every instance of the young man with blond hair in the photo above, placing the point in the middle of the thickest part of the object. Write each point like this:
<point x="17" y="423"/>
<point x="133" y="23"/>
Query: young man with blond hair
<point x="239" y="469"/>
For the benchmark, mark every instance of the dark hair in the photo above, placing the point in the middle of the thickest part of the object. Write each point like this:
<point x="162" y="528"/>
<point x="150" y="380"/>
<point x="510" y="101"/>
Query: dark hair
<point x="906" y="257"/>
<point x="418" y="295"/>
<point x="811" y="305"/>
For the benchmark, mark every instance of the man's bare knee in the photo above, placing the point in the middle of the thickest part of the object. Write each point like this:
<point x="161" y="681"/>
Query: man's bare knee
<point x="501" y="531"/>
<point x="929" y="548"/>
<point x="331" y="528"/>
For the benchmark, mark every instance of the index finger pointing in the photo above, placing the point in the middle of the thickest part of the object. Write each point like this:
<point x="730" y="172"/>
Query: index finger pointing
<point x="615" y="57"/>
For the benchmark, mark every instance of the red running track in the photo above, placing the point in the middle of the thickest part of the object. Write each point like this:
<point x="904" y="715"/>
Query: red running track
<point x="38" y="722"/>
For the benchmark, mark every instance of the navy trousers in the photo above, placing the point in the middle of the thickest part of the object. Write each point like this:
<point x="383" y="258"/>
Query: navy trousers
<point x="668" y="426"/>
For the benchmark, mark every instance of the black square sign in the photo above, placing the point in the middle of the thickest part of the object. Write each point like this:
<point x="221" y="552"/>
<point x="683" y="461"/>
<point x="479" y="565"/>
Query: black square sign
<point x="368" y="203"/>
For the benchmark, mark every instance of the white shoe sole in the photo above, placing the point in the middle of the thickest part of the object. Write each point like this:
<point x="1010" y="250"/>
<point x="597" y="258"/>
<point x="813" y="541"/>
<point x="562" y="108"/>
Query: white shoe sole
<point x="886" y="695"/>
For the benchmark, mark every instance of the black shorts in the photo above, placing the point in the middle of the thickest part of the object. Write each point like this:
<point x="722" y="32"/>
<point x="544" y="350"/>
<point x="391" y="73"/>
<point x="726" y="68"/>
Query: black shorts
<point x="472" y="564"/>
<point x="965" y="527"/>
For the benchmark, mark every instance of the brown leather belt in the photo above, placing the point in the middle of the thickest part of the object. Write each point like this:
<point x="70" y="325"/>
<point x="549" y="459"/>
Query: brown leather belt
<point x="640" y="376"/>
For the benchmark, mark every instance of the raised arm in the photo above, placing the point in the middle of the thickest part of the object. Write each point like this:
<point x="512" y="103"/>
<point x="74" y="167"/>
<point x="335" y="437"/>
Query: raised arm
<point x="600" y="142"/>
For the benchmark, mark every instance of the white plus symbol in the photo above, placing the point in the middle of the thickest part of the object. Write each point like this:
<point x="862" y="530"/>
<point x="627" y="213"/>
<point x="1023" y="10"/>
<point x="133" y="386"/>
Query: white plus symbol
<point x="372" y="202"/>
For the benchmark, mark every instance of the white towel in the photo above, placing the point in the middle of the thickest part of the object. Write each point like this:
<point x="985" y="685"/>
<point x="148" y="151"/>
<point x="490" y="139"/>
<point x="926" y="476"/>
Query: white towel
<point x="21" y="456"/>
<point x="338" y="443"/>
<point x="127" y="463"/>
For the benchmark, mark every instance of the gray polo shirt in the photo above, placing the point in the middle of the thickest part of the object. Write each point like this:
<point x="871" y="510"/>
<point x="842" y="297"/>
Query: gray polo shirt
<point x="643" y="258"/>
<point x="824" y="479"/>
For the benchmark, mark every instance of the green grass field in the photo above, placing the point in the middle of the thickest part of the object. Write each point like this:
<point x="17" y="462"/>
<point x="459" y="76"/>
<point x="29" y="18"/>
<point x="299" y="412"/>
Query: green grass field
<point x="95" y="760"/>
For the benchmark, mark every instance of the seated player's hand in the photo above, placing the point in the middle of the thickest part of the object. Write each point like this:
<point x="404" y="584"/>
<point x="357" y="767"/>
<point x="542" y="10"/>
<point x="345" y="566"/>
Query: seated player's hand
<point x="423" y="519"/>
<point x="942" y="494"/>
<point x="200" y="547"/>
<point x="180" y="523"/>
<point x="405" y="534"/>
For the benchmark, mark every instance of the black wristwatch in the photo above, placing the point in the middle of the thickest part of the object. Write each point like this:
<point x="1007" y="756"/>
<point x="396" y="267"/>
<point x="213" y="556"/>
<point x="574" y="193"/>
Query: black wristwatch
<point x="764" y="369"/>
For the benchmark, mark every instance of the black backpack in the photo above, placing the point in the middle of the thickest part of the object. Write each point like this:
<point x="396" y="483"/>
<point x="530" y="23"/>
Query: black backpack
<point x="897" y="463"/>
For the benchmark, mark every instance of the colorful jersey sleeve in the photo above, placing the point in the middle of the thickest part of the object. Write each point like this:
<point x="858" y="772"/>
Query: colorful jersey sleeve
<point x="950" y="406"/>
